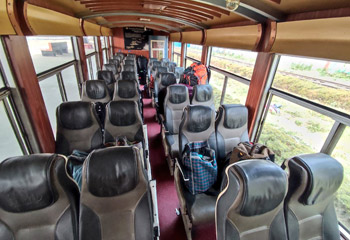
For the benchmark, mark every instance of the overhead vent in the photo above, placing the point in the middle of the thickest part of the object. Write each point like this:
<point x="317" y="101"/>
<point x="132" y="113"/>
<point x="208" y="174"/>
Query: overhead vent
<point x="154" y="6"/>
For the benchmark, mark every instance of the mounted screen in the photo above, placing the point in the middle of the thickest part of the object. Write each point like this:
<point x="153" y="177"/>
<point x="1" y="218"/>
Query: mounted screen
<point x="136" y="38"/>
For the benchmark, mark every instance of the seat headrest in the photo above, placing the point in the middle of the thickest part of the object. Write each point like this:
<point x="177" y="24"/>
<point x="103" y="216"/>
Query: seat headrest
<point x="127" y="75"/>
<point x="111" y="67"/>
<point x="114" y="61"/>
<point x="179" y="71"/>
<point x="156" y="64"/>
<point x="202" y="93"/>
<point x="264" y="186"/>
<point x="177" y="93"/>
<point x="106" y="75"/>
<point x="160" y="70"/>
<point x="236" y="115"/>
<point x="129" y="68"/>
<point x="199" y="118"/>
<point x="122" y="113"/>
<point x="165" y="60"/>
<point x="325" y="175"/>
<point x="26" y="183"/>
<point x="167" y="79"/>
<point x="126" y="89"/>
<point x="129" y="62"/>
<point x="75" y="115"/>
<point x="112" y="171"/>
<point x="96" y="89"/>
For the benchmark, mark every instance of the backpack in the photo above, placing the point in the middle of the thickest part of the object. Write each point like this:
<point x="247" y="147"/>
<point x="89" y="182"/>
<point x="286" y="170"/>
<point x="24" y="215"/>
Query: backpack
<point x="247" y="150"/>
<point x="196" y="74"/>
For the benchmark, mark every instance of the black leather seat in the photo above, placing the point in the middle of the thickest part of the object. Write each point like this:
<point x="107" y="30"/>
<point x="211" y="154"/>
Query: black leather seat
<point x="115" y="197"/>
<point x="95" y="91"/>
<point x="127" y="90"/>
<point x="78" y="128"/>
<point x="123" y="118"/>
<point x="109" y="79"/>
<point x="309" y="206"/>
<point x="38" y="200"/>
<point x="111" y="67"/>
<point x="203" y="95"/>
<point x="178" y="72"/>
<point x="127" y="75"/>
<point x="161" y="82"/>
<point x="130" y="62"/>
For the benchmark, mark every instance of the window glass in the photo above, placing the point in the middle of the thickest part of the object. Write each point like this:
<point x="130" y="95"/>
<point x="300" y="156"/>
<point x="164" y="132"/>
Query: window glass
<point x="322" y="81"/>
<point x="94" y="66"/>
<point x="71" y="84"/>
<point x="2" y="83"/>
<point x="236" y="92"/>
<point x="52" y="98"/>
<point x="49" y="52"/>
<point x="177" y="47"/>
<point x="89" y="45"/>
<point x="217" y="82"/>
<point x="188" y="63"/>
<point x="235" y="61"/>
<point x="342" y="201"/>
<point x="194" y="51"/>
<point x="290" y="129"/>
<point x="103" y="42"/>
<point x="9" y="145"/>
<point x="177" y="59"/>
<point x="104" y="53"/>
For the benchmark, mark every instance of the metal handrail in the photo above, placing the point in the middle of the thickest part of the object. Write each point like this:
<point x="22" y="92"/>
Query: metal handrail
<point x="53" y="71"/>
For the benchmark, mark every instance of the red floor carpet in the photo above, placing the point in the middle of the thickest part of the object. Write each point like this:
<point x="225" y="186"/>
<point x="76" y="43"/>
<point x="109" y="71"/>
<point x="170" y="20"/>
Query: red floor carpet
<point x="171" y="225"/>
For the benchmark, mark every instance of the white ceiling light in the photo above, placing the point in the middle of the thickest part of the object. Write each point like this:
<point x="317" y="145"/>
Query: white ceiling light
<point x="145" y="19"/>
<point x="232" y="4"/>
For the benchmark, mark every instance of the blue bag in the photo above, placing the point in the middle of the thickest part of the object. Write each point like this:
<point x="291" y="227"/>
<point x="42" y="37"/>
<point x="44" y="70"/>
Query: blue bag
<point x="199" y="167"/>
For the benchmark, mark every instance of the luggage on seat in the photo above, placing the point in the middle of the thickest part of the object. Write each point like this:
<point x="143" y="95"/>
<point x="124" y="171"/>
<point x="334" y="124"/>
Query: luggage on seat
<point x="251" y="204"/>
<point x="38" y="200"/>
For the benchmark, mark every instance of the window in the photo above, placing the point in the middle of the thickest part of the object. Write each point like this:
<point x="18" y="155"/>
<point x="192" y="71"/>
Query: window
<point x="103" y="42"/>
<point x="49" y="52"/>
<point x="70" y="83"/>
<point x="342" y="201"/>
<point x="323" y="81"/>
<point x="89" y="45"/>
<point x="176" y="59"/>
<point x="52" y="98"/>
<point x="177" y="47"/>
<point x="194" y="51"/>
<point x="236" y="92"/>
<point x="188" y="63"/>
<point x="217" y="82"/>
<point x="235" y="61"/>
<point x="92" y="67"/>
<point x="290" y="129"/>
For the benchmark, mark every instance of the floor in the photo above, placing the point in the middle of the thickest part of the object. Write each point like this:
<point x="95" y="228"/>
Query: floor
<point x="171" y="225"/>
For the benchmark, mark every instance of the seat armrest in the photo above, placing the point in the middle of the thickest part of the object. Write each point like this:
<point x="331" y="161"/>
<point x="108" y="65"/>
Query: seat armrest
<point x="153" y="188"/>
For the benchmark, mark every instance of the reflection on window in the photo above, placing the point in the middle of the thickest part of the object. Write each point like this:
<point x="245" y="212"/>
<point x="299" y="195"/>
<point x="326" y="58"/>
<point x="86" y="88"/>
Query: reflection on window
<point x="322" y="81"/>
<point x="236" y="92"/>
<point x="342" y="201"/>
<point x="89" y="45"/>
<point x="52" y="98"/>
<point x="217" y="82"/>
<point x="290" y="129"/>
<point x="235" y="61"/>
<point x="9" y="145"/>
<point x="71" y="84"/>
<point x="177" y="47"/>
<point x="49" y="52"/>
<point x="194" y="51"/>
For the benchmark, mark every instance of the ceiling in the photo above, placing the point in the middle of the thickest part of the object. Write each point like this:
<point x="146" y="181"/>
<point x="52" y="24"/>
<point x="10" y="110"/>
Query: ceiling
<point x="180" y="15"/>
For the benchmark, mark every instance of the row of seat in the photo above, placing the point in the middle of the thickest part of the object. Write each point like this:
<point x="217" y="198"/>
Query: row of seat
<point x="39" y="200"/>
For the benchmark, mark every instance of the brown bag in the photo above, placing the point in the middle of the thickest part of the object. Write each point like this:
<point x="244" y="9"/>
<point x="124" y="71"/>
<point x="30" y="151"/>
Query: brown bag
<point x="246" y="150"/>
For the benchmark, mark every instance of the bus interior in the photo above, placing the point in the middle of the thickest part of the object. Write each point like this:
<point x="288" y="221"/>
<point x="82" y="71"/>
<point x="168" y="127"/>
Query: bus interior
<point x="174" y="119"/>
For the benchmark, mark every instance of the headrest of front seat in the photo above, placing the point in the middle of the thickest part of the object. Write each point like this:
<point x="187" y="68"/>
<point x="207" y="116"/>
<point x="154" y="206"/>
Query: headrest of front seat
<point x="123" y="113"/>
<point x="177" y="94"/>
<point x="111" y="67"/>
<point x="202" y="93"/>
<point x="199" y="118"/>
<point x="126" y="75"/>
<point x="264" y="186"/>
<point x="114" y="61"/>
<point x="126" y="88"/>
<point x="95" y="90"/>
<point x="108" y="175"/>
<point x="75" y="115"/>
<point x="26" y="184"/>
<point x="167" y="79"/>
<point x="324" y="176"/>
<point x="235" y="115"/>
<point x="129" y="63"/>
<point x="160" y="70"/>
<point x="106" y="75"/>
<point x="129" y="68"/>
<point x="179" y="71"/>
<point x="156" y="64"/>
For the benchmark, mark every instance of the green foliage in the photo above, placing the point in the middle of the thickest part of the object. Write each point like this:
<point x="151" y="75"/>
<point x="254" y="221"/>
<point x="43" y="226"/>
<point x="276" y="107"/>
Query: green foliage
<point x="338" y="74"/>
<point x="298" y="123"/>
<point x="301" y="66"/>
<point x="314" y="127"/>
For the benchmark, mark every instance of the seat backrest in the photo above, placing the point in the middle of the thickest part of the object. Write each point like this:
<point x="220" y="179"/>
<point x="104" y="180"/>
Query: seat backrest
<point x="309" y="206"/>
<point x="142" y="63"/>
<point x="163" y="80"/>
<point x="203" y="95"/>
<point x="127" y="75"/>
<point x="251" y="205"/>
<point x="156" y="64"/>
<point x="95" y="91"/>
<point x="129" y="62"/>
<point x="115" y="62"/>
<point x="111" y="67"/>
<point x="78" y="127"/>
<point x="114" y="201"/>
<point x="231" y="128"/>
<point x="128" y="68"/>
<point x="126" y="90"/>
<point x="160" y="70"/>
<point x="197" y="124"/>
<point x="107" y="76"/>
<point x="38" y="200"/>
<point x="123" y="118"/>
<point x="178" y="72"/>
<point x="171" y="67"/>
<point x="176" y="99"/>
